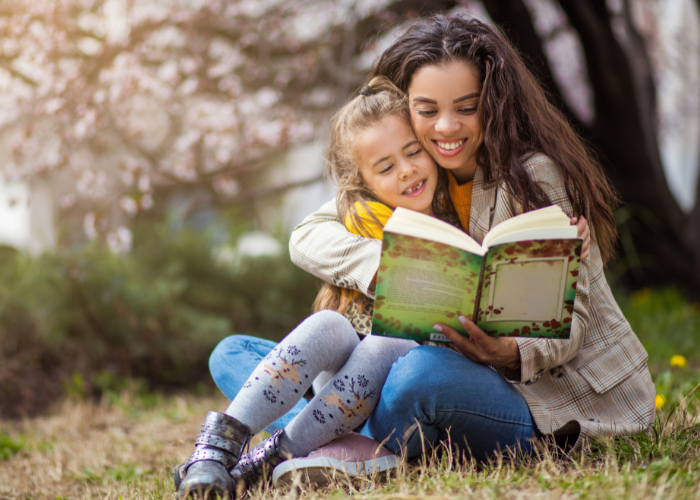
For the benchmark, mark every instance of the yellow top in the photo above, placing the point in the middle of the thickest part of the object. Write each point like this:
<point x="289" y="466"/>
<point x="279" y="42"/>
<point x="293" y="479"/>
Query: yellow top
<point x="368" y="227"/>
<point x="461" y="197"/>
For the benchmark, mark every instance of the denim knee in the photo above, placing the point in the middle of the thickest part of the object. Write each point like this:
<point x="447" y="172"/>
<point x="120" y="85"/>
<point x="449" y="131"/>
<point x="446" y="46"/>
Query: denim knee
<point x="412" y="375"/>
<point x="218" y="359"/>
<point x="226" y="346"/>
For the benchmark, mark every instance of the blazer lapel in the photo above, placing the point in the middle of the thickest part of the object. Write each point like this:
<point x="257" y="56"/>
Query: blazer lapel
<point x="483" y="203"/>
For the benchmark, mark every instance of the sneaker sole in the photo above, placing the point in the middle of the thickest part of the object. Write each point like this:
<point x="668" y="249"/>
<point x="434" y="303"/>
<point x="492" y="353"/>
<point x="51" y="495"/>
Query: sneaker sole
<point x="319" y="471"/>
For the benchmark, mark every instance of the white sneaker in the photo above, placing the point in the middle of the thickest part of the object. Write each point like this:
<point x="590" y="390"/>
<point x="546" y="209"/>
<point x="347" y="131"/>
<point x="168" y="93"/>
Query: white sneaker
<point x="351" y="455"/>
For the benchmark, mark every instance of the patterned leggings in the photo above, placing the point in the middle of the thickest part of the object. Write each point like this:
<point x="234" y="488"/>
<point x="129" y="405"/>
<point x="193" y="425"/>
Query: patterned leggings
<point x="347" y="376"/>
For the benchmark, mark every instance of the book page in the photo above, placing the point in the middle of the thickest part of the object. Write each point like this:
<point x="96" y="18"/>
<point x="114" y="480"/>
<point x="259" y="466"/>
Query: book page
<point x="511" y="290"/>
<point x="410" y="223"/>
<point x="420" y="283"/>
<point x="529" y="288"/>
<point x="549" y="233"/>
<point x="528" y="224"/>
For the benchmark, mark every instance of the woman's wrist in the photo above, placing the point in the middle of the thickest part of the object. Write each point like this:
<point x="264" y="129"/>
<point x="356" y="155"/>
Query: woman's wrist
<point x="514" y="365"/>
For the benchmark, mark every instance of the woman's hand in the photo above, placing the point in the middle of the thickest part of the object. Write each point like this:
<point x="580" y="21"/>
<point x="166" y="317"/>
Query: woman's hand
<point x="479" y="347"/>
<point x="584" y="233"/>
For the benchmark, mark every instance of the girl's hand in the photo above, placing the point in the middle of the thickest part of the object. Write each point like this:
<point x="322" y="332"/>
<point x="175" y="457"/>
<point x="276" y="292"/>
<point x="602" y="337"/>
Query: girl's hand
<point x="584" y="233"/>
<point x="479" y="347"/>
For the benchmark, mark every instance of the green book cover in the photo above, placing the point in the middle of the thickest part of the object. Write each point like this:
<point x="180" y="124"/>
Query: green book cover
<point x="524" y="288"/>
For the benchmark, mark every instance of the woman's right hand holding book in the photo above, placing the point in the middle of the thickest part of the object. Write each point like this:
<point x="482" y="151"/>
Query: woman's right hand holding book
<point x="479" y="347"/>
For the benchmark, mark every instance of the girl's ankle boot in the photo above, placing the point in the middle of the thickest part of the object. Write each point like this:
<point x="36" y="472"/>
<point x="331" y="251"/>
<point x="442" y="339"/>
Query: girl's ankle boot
<point x="218" y="448"/>
<point x="258" y="463"/>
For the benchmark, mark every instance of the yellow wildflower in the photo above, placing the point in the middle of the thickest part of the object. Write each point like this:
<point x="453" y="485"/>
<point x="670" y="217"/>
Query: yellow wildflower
<point x="678" y="361"/>
<point x="660" y="400"/>
<point x="641" y="297"/>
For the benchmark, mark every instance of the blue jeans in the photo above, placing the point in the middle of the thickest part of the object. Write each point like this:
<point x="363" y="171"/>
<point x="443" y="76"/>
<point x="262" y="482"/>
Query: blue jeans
<point x="446" y="394"/>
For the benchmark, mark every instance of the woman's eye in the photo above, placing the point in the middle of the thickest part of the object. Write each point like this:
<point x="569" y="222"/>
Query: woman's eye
<point x="425" y="112"/>
<point x="467" y="110"/>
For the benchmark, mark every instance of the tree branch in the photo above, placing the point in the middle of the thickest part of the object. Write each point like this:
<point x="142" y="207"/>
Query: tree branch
<point x="625" y="133"/>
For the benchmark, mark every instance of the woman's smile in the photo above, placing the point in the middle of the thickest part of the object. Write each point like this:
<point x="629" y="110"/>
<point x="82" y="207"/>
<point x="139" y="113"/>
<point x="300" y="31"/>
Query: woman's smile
<point x="449" y="147"/>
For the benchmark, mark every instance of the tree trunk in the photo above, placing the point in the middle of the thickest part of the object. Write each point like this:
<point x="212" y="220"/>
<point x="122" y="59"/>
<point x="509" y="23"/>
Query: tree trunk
<point x="625" y="133"/>
<point x="663" y="240"/>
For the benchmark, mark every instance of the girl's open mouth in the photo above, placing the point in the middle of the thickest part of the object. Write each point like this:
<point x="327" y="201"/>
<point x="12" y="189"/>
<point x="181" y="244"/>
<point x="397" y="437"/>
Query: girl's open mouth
<point x="449" y="148"/>
<point x="416" y="189"/>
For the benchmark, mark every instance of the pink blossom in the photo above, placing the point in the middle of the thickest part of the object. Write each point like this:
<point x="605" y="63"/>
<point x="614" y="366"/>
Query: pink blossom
<point x="120" y="241"/>
<point x="129" y="205"/>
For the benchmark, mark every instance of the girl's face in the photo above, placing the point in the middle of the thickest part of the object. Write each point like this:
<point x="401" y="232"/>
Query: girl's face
<point x="395" y="167"/>
<point x="444" y="100"/>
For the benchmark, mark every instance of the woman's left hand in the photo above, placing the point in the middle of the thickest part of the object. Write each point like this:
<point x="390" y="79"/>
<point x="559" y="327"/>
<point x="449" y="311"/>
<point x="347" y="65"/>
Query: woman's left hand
<point x="479" y="347"/>
<point x="584" y="233"/>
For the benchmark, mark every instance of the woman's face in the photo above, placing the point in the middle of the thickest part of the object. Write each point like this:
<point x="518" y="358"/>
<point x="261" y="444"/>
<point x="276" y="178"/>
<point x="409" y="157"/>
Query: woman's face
<point x="395" y="167"/>
<point x="444" y="100"/>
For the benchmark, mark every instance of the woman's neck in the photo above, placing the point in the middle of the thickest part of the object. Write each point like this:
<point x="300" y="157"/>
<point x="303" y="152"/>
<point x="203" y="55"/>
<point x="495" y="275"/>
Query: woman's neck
<point x="465" y="173"/>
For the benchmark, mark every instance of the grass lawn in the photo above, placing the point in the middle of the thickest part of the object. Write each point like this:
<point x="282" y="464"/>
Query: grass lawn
<point x="124" y="446"/>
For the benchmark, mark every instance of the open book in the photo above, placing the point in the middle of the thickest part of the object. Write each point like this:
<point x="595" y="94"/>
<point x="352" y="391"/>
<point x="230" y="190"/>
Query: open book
<point x="520" y="282"/>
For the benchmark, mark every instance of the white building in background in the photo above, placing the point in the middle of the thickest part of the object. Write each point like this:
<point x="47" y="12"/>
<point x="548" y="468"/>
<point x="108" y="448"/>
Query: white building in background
<point x="29" y="211"/>
<point x="14" y="214"/>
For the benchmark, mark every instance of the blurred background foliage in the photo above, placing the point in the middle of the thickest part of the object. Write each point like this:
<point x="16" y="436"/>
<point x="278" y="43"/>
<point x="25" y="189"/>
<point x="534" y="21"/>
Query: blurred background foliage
<point x="84" y="321"/>
<point x="666" y="322"/>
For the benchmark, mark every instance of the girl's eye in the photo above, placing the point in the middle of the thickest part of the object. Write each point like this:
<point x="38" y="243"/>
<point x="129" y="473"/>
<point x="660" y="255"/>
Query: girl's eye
<point x="414" y="153"/>
<point x="386" y="169"/>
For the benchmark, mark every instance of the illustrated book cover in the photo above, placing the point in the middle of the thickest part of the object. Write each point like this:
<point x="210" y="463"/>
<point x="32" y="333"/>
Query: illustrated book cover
<point x="521" y="282"/>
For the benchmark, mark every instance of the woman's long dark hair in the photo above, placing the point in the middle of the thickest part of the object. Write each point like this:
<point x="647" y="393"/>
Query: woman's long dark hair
<point x="516" y="117"/>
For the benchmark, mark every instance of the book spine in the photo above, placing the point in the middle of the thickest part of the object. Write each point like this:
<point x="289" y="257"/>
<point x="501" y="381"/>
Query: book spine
<point x="477" y="300"/>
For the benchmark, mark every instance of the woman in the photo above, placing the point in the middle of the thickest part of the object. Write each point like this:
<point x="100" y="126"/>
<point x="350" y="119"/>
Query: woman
<point x="481" y="115"/>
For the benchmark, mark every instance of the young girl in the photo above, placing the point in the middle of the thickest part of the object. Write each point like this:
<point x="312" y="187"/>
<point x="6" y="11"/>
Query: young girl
<point x="378" y="165"/>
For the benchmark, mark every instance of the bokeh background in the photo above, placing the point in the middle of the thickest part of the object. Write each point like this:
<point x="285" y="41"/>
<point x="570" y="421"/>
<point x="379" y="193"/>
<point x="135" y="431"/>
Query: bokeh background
<point x="155" y="155"/>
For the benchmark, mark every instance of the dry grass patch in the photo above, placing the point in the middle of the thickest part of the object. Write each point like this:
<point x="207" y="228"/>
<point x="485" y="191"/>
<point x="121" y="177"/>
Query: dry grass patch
<point x="125" y="449"/>
<point x="102" y="450"/>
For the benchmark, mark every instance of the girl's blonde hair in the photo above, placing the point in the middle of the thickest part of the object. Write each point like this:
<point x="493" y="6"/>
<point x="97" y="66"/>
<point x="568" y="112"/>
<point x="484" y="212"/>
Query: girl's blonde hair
<point x="376" y="101"/>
